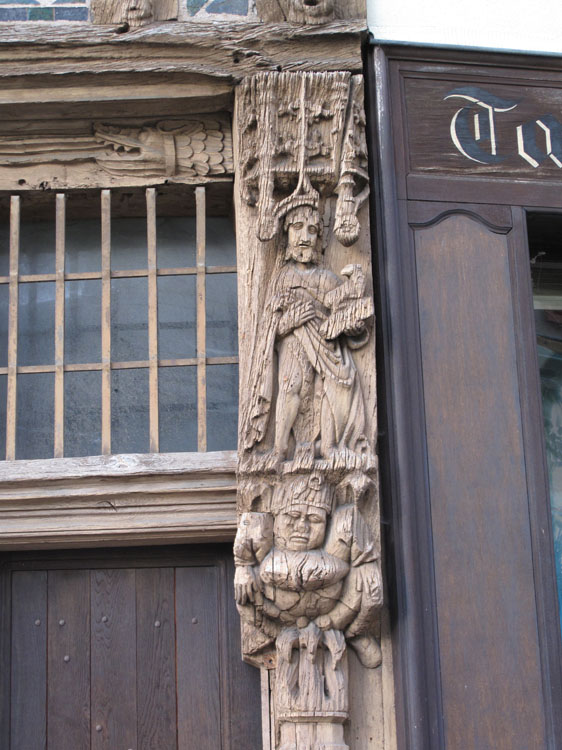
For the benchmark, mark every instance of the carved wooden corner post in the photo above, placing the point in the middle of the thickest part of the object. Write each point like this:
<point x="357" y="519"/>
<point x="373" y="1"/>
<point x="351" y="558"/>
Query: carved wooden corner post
<point x="308" y="580"/>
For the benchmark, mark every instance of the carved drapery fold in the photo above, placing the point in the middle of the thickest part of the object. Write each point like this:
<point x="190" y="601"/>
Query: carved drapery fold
<point x="307" y="552"/>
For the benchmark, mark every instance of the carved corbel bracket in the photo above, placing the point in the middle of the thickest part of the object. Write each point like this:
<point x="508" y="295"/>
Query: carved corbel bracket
<point x="308" y="578"/>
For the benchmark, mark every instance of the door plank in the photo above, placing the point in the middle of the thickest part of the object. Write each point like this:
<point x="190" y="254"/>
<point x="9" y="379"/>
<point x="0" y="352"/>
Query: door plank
<point x="113" y="666"/>
<point x="156" y="659"/>
<point x="5" y="653"/>
<point x="197" y="649"/>
<point x="29" y="668"/>
<point x="68" y="688"/>
<point x="243" y="680"/>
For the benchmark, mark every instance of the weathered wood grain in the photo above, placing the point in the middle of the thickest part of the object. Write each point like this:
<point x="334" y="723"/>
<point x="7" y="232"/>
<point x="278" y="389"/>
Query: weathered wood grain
<point x="234" y="51"/>
<point x="29" y="661"/>
<point x="133" y="499"/>
<point x="156" y="658"/>
<point x="199" y="718"/>
<point x="68" y="660"/>
<point x="114" y="643"/>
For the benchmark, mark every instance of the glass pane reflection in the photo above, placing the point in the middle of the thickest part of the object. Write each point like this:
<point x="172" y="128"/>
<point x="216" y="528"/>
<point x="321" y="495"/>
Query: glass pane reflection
<point x="546" y="269"/>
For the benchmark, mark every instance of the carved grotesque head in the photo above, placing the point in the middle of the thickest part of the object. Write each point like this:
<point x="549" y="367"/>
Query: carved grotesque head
<point x="310" y="11"/>
<point x="303" y="227"/>
<point x="300" y="527"/>
<point x="301" y="512"/>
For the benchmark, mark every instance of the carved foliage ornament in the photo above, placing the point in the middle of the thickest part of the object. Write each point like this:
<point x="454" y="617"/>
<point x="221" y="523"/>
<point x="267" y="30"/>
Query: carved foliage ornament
<point x="304" y="135"/>
<point x="307" y="553"/>
<point x="188" y="148"/>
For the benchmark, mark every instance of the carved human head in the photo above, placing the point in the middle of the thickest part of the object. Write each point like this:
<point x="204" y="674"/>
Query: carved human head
<point x="300" y="527"/>
<point x="304" y="230"/>
<point x="302" y="506"/>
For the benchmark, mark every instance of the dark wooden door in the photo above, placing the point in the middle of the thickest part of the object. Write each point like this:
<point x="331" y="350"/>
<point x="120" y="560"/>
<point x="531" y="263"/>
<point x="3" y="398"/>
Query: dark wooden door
<point x="129" y="650"/>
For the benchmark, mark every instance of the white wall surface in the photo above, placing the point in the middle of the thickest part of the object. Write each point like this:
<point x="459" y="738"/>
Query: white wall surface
<point x="495" y="24"/>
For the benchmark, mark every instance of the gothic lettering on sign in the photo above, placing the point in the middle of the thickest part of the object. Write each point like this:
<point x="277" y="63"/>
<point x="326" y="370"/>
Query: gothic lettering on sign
<point x="474" y="132"/>
<point x="307" y="552"/>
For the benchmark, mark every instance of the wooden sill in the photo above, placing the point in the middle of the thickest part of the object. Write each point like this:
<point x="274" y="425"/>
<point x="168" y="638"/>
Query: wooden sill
<point x="118" y="500"/>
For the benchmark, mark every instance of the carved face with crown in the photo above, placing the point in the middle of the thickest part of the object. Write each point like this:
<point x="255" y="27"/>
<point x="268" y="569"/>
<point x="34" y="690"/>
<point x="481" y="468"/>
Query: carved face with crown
<point x="304" y="228"/>
<point x="302" y="514"/>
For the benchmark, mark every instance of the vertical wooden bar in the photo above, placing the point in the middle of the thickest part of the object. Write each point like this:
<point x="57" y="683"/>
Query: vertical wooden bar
<point x="201" y="323"/>
<point x="68" y="659"/>
<point x="198" y="661"/>
<point x="13" y="328"/>
<point x="5" y="653"/>
<point x="152" y="318"/>
<point x="29" y="661"/>
<point x="106" y="321"/>
<point x="113" y="660"/>
<point x="59" y="324"/>
<point x="156" y="659"/>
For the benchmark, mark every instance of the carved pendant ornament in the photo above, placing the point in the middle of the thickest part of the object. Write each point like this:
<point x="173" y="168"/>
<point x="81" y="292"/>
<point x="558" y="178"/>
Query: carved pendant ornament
<point x="307" y="552"/>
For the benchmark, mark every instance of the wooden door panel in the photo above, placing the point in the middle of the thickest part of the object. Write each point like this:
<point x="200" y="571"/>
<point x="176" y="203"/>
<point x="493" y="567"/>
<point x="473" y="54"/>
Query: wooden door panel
<point x="199" y="721"/>
<point x="68" y="659"/>
<point x="144" y="655"/>
<point x="29" y="661"/>
<point x="114" y="700"/>
<point x="156" y="658"/>
<point x="488" y="634"/>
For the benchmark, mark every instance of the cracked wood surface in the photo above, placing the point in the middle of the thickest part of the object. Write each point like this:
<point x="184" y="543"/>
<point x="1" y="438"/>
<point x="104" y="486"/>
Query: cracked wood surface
<point x="227" y="51"/>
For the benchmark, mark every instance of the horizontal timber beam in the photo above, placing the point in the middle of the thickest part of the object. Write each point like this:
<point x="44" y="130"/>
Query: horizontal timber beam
<point x="118" y="500"/>
<point x="229" y="51"/>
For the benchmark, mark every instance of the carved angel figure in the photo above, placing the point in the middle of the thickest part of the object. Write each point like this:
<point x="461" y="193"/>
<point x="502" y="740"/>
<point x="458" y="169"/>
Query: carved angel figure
<point x="313" y="320"/>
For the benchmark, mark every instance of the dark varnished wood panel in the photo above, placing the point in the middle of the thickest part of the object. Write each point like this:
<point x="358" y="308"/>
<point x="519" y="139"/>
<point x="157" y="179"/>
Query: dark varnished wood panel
<point x="113" y="669"/>
<point x="242" y="679"/>
<point x="5" y="653"/>
<point x="489" y="656"/>
<point x="68" y="649"/>
<point x="156" y="659"/>
<point x="29" y="654"/>
<point x="198" y="663"/>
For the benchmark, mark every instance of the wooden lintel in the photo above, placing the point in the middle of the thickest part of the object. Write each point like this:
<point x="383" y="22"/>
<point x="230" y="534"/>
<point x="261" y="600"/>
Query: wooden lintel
<point x="229" y="51"/>
<point x="116" y="500"/>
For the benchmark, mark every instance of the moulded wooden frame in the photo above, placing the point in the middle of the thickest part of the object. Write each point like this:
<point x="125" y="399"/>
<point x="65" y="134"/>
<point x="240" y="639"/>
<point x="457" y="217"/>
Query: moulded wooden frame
<point x="118" y="500"/>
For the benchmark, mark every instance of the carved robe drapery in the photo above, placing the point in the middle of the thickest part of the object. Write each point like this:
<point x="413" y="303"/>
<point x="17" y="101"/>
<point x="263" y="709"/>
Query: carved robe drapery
<point x="308" y="578"/>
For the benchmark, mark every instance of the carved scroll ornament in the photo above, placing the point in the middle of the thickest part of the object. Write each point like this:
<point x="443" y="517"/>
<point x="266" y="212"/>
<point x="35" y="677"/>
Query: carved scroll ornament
<point x="189" y="148"/>
<point x="307" y="553"/>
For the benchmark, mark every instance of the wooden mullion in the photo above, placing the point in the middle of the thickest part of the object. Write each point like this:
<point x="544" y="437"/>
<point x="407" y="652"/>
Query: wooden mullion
<point x="13" y="329"/>
<point x="201" y="322"/>
<point x="106" y="321"/>
<point x="59" y="324"/>
<point x="152" y="319"/>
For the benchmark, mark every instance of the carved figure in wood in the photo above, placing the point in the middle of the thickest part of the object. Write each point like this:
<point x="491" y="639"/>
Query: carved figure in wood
<point x="311" y="138"/>
<point x="187" y="148"/>
<point x="313" y="320"/>
<point x="307" y="553"/>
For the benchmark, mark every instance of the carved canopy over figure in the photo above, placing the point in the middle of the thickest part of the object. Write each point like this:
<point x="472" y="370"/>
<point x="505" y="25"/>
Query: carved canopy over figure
<point x="314" y="319"/>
